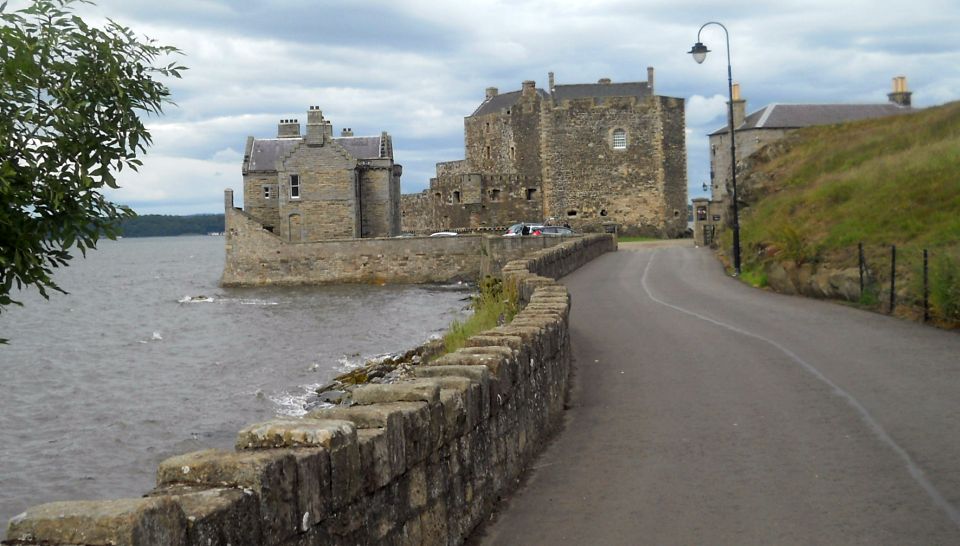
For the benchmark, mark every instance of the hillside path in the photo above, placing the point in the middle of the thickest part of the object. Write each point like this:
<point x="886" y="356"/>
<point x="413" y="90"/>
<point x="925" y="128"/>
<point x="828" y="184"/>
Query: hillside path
<point x="707" y="412"/>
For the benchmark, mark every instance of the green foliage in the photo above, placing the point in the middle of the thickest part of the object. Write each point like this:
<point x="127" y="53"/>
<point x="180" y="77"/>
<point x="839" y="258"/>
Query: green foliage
<point x="155" y="225"/>
<point x="945" y="287"/>
<point x="794" y="245"/>
<point x="496" y="303"/>
<point x="755" y="276"/>
<point x="71" y="97"/>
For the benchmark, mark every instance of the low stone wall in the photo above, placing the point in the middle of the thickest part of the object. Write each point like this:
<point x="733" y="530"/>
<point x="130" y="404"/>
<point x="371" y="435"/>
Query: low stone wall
<point x="257" y="257"/>
<point x="417" y="462"/>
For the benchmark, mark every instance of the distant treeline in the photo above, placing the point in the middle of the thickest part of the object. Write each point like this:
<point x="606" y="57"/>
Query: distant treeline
<point x="157" y="225"/>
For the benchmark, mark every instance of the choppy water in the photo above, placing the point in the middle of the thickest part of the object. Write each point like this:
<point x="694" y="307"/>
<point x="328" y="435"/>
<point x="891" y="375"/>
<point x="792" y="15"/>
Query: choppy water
<point x="147" y="358"/>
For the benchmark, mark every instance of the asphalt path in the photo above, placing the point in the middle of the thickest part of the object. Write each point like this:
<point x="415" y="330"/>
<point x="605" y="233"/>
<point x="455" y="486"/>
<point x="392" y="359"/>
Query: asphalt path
<point x="703" y="411"/>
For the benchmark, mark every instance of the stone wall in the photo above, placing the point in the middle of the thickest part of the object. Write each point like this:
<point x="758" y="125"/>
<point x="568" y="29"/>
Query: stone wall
<point x="256" y="257"/>
<point x="589" y="182"/>
<point x="422" y="461"/>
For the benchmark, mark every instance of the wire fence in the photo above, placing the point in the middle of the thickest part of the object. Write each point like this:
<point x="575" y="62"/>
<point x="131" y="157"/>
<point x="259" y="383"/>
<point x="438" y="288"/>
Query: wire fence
<point x="910" y="281"/>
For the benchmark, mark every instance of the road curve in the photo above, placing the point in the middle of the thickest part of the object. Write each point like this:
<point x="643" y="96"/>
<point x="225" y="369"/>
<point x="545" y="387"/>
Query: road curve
<point x="707" y="412"/>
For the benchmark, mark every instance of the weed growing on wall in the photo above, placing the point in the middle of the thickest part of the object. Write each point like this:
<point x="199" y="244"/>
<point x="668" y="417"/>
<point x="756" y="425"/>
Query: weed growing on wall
<point x="495" y="303"/>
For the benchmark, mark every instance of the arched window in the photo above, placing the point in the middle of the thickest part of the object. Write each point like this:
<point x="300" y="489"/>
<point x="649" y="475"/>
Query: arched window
<point x="619" y="139"/>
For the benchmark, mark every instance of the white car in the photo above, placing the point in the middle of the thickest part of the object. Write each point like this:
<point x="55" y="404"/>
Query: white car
<point x="444" y="234"/>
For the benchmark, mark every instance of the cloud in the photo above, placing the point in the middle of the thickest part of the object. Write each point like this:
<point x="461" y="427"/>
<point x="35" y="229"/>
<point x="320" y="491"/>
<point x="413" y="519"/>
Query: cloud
<point x="415" y="68"/>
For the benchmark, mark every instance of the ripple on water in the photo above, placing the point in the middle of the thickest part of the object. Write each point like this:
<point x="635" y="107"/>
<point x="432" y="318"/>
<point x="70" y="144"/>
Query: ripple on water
<point x="101" y="385"/>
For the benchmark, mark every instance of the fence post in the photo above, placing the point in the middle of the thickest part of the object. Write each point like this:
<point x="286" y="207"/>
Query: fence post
<point x="893" y="277"/>
<point x="926" y="288"/>
<point x="860" y="248"/>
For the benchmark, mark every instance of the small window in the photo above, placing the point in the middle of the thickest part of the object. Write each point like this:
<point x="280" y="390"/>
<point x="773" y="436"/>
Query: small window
<point x="571" y="213"/>
<point x="513" y="152"/>
<point x="530" y="193"/>
<point x="456" y="196"/>
<point x="603" y="212"/>
<point x="494" y="195"/>
<point x="266" y="192"/>
<point x="487" y="152"/>
<point x="437" y="196"/>
<point x="294" y="186"/>
<point x="619" y="139"/>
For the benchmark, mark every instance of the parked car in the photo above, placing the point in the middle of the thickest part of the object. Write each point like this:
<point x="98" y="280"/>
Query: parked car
<point x="444" y="234"/>
<point x="553" y="230"/>
<point x="523" y="228"/>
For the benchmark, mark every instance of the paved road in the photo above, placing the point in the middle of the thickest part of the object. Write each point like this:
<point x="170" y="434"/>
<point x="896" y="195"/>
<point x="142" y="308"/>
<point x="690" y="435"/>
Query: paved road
<point x="706" y="412"/>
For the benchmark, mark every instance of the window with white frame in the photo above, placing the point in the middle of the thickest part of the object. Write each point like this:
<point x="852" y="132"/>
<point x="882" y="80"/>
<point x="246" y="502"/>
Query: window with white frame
<point x="266" y="192"/>
<point x="619" y="139"/>
<point x="294" y="186"/>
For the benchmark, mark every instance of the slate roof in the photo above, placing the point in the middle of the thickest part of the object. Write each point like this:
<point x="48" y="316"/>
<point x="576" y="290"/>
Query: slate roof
<point x="502" y="102"/>
<point x="600" y="90"/>
<point x="361" y="147"/>
<point x="266" y="151"/>
<point x="567" y="92"/>
<point x="793" y="116"/>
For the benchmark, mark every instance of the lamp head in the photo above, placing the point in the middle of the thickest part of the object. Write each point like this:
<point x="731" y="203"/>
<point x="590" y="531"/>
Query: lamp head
<point x="699" y="52"/>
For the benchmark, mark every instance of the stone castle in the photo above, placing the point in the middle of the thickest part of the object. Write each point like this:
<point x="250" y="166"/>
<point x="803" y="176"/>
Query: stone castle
<point x="597" y="156"/>
<point x="314" y="187"/>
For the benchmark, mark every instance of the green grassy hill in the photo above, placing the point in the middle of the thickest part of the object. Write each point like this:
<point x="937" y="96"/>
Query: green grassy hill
<point x="813" y="197"/>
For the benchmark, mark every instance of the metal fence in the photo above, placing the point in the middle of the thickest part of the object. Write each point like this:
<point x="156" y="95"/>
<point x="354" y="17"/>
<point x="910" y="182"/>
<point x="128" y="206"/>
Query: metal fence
<point x="910" y="281"/>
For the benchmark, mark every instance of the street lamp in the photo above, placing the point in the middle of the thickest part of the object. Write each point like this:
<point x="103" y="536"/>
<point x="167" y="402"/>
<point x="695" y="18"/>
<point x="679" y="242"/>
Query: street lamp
<point x="699" y="52"/>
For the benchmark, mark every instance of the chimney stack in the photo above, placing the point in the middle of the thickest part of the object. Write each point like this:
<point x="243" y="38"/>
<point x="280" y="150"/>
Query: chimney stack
<point x="318" y="129"/>
<point x="550" y="78"/>
<point x="346" y="131"/>
<point x="604" y="81"/>
<point x="650" y="79"/>
<point x="529" y="88"/>
<point x="492" y="92"/>
<point x="900" y="95"/>
<point x="739" y="107"/>
<point x="288" y="128"/>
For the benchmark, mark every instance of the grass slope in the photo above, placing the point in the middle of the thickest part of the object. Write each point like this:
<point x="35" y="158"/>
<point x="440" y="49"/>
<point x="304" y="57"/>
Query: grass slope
<point x="889" y="181"/>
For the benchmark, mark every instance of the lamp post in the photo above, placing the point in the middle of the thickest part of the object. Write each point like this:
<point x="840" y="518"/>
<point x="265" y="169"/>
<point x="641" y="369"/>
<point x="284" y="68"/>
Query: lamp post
<point x="699" y="52"/>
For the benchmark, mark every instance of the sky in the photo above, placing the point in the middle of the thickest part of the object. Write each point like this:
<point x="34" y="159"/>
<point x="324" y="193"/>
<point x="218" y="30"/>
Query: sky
<point x="416" y="68"/>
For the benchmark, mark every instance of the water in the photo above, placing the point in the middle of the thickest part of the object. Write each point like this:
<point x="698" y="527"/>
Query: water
<point x="147" y="358"/>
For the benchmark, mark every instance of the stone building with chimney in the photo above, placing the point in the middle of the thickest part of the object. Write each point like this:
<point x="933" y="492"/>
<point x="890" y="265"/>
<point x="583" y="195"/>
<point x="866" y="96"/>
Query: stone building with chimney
<point x="770" y="124"/>
<point x="312" y="186"/>
<point x="594" y="156"/>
